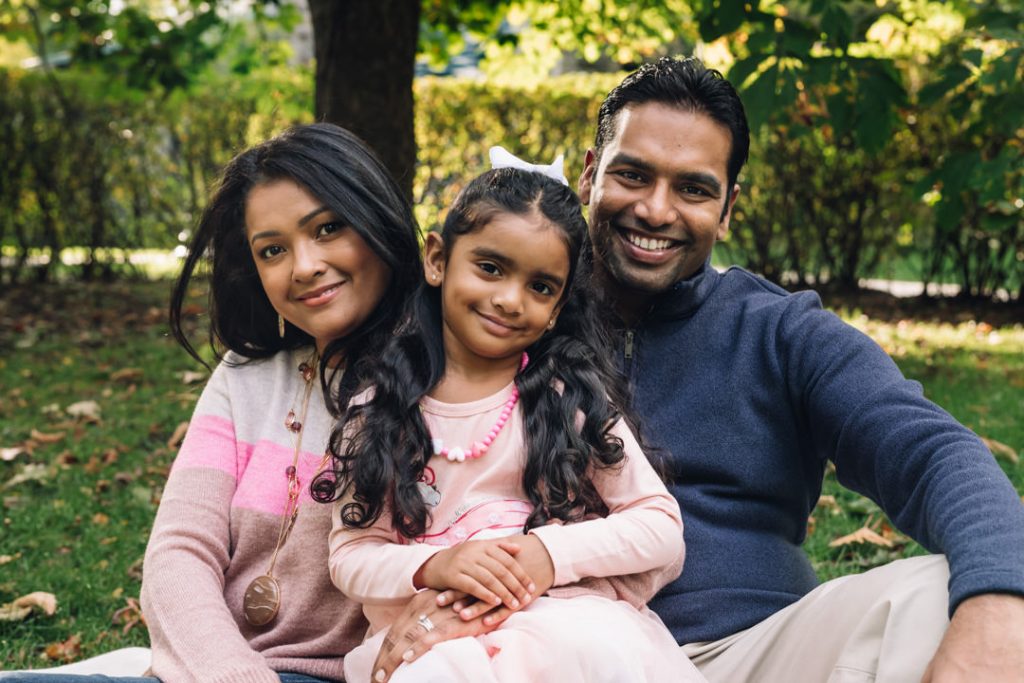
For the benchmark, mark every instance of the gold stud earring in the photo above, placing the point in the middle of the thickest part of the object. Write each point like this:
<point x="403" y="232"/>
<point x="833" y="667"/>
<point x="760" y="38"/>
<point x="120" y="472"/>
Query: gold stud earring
<point x="551" y="324"/>
<point x="280" y="326"/>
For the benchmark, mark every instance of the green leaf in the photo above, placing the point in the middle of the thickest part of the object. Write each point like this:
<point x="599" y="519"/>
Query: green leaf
<point x="841" y="112"/>
<point x="974" y="57"/>
<point x="762" y="40"/>
<point x="837" y="25"/>
<point x="948" y="212"/>
<point x="741" y="70"/>
<point x="992" y="19"/>
<point x="798" y="38"/>
<point x="955" y="171"/>
<point x="951" y="77"/>
<point x="759" y="98"/>
<point x="1002" y="72"/>
<point x="721" y="18"/>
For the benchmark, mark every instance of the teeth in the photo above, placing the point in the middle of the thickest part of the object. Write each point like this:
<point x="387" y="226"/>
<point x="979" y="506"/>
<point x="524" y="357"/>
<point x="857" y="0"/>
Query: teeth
<point x="647" y="243"/>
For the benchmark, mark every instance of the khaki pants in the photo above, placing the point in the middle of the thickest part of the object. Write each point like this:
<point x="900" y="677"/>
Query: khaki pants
<point x="883" y="625"/>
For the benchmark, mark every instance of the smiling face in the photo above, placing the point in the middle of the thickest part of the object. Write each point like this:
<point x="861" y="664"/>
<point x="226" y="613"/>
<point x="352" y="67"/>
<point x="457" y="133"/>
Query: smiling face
<point x="318" y="273"/>
<point x="656" y="196"/>
<point x="501" y="286"/>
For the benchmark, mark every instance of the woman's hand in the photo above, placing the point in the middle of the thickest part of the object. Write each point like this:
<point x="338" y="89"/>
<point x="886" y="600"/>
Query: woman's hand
<point x="487" y="570"/>
<point x="408" y="637"/>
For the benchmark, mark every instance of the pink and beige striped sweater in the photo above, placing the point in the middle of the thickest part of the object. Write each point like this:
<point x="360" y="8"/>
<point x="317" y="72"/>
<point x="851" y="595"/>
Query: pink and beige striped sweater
<point x="217" y="527"/>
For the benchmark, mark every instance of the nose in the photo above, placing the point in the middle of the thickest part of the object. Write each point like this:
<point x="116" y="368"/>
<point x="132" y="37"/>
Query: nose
<point x="307" y="261"/>
<point x="657" y="208"/>
<point x="508" y="299"/>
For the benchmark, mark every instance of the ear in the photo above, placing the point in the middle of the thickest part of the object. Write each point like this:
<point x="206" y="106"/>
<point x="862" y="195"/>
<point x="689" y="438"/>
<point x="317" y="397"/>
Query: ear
<point x="433" y="259"/>
<point x="554" y="315"/>
<point x="586" y="183"/>
<point x="723" y="225"/>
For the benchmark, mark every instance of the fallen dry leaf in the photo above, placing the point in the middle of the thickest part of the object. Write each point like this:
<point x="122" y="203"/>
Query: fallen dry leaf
<point x="68" y="651"/>
<point x="23" y="606"/>
<point x="31" y="472"/>
<point x="126" y="375"/>
<point x="1001" y="449"/>
<point x="42" y="437"/>
<point x="47" y="602"/>
<point x="191" y="377"/>
<point x="178" y="435"/>
<point x="9" y="612"/>
<point x="862" y="535"/>
<point x="85" y="410"/>
<point x="50" y="409"/>
<point x="9" y="454"/>
<point x="828" y="502"/>
<point x="7" y="559"/>
<point x="134" y="570"/>
<point x="130" y="615"/>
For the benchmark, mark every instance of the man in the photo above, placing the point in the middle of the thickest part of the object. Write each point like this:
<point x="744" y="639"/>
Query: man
<point x="750" y="391"/>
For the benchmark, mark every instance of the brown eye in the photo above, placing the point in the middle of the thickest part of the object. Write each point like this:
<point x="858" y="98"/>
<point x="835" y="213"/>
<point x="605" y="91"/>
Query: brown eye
<point x="271" y="251"/>
<point x="330" y="228"/>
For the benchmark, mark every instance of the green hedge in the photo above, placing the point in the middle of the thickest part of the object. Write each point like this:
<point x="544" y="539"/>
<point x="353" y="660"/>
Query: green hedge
<point x="81" y="166"/>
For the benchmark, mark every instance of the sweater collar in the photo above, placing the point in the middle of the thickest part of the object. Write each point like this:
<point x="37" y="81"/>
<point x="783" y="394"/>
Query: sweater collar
<point x="684" y="297"/>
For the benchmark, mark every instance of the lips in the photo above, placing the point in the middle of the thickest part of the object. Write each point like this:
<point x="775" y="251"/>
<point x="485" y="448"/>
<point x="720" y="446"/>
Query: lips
<point x="645" y="249"/>
<point x="320" y="295"/>
<point x="497" y="326"/>
<point x="647" y="243"/>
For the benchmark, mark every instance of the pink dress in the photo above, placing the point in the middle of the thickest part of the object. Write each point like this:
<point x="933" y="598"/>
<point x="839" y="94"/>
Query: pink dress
<point x="586" y="637"/>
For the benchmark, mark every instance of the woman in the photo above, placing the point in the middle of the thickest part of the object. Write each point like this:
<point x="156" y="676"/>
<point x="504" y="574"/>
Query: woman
<point x="311" y="250"/>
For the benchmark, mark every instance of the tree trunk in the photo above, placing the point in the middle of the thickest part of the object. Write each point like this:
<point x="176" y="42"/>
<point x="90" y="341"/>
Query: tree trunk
<point x="365" y="61"/>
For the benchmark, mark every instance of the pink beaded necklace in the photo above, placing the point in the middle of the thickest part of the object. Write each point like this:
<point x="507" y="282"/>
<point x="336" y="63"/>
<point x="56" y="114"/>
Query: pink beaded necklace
<point x="479" y="448"/>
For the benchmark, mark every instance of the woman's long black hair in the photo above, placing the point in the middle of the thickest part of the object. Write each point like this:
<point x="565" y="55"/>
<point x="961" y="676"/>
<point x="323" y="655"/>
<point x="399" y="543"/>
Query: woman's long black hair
<point x="339" y="170"/>
<point x="381" y="446"/>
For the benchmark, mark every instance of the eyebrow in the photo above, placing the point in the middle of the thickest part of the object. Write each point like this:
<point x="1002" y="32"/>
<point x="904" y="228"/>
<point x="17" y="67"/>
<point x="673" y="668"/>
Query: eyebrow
<point x="302" y="221"/>
<point x="491" y="254"/>
<point x="698" y="177"/>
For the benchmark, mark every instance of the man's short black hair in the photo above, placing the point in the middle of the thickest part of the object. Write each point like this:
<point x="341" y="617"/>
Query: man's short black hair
<point x="689" y="85"/>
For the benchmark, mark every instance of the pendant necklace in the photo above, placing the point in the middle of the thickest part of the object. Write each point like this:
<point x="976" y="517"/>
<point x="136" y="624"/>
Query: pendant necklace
<point x="263" y="596"/>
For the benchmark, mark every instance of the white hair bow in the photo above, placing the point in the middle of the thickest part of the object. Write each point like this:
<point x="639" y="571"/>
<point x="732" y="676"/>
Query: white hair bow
<point x="502" y="158"/>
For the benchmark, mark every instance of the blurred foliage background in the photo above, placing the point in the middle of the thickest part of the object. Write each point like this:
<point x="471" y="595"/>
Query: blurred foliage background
<point x="888" y="135"/>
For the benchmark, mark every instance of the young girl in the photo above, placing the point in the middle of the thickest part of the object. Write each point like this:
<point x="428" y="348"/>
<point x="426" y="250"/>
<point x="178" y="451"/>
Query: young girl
<point x="494" y="410"/>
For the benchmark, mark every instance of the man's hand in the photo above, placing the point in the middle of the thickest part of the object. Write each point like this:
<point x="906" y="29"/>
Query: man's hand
<point x="984" y="642"/>
<point x="407" y="639"/>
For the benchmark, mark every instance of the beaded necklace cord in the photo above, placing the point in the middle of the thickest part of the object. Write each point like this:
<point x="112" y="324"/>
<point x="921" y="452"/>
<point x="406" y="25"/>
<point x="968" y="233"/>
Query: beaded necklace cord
<point x="262" y="598"/>
<point x="479" y="448"/>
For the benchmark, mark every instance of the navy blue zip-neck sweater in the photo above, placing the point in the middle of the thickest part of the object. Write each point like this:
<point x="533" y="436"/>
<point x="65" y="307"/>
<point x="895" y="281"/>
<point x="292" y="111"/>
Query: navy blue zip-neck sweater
<point x="750" y="390"/>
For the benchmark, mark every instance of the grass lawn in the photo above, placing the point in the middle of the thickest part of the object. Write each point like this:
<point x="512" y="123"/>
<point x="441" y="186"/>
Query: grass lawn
<point x="78" y="493"/>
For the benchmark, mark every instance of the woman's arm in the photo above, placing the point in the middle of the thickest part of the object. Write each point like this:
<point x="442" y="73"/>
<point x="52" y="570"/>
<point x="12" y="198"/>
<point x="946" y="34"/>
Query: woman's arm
<point x="193" y="633"/>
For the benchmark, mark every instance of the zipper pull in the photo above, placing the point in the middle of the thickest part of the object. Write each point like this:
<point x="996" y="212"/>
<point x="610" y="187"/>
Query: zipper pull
<point x="628" y="351"/>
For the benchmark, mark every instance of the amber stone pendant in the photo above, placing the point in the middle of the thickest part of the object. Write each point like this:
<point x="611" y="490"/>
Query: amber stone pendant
<point x="262" y="600"/>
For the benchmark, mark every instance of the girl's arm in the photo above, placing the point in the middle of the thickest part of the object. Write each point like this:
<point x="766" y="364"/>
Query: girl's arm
<point x="642" y="534"/>
<point x="374" y="566"/>
<point x="193" y="633"/>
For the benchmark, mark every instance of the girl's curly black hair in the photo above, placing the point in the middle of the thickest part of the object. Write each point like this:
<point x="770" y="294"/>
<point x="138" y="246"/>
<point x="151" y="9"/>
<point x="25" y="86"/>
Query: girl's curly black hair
<point x="380" y="448"/>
